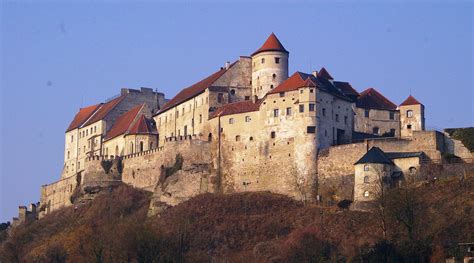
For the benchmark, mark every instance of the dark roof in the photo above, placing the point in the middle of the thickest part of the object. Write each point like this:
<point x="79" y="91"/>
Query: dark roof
<point x="323" y="73"/>
<point x="374" y="155"/>
<point x="372" y="99"/>
<point x="410" y="101"/>
<point x="235" y="108"/>
<point x="104" y="110"/>
<point x="123" y="123"/>
<point x="346" y="88"/>
<point x="82" y="116"/>
<point x="300" y="79"/>
<point x="399" y="155"/>
<point x="271" y="44"/>
<point x="194" y="90"/>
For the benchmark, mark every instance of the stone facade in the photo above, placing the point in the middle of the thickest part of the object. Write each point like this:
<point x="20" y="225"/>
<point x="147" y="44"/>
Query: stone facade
<point x="412" y="118"/>
<point x="377" y="122"/>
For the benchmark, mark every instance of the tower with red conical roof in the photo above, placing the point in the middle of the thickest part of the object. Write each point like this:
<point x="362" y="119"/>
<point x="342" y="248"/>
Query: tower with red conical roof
<point x="412" y="116"/>
<point x="269" y="66"/>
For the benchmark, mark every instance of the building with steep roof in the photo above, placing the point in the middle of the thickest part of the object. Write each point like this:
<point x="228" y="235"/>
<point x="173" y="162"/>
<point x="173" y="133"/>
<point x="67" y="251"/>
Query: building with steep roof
<point x="412" y="116"/>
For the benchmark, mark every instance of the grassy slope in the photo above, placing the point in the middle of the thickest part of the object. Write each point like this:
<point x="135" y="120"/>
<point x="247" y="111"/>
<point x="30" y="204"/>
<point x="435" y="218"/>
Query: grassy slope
<point x="114" y="226"/>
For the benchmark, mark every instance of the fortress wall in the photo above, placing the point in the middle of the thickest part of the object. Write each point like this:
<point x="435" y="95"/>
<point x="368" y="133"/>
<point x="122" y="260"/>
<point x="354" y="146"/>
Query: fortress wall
<point x="142" y="170"/>
<point x="335" y="165"/>
<point x="57" y="195"/>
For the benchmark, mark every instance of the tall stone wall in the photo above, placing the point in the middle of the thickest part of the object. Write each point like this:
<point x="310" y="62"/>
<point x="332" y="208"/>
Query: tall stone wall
<point x="142" y="170"/>
<point x="57" y="195"/>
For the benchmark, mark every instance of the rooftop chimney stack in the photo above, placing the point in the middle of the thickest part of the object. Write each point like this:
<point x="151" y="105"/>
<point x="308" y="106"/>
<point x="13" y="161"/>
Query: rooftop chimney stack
<point x="315" y="73"/>
<point x="227" y="65"/>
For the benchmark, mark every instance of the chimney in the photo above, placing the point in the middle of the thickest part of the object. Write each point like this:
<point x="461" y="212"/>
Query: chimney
<point x="227" y="65"/>
<point x="315" y="73"/>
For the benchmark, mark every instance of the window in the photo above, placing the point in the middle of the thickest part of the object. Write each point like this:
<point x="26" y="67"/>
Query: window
<point x="277" y="60"/>
<point x="392" y="132"/>
<point x="301" y="91"/>
<point x="151" y="146"/>
<point x="391" y="115"/>
<point x="237" y="138"/>
<point x="232" y="92"/>
<point x="116" y="150"/>
<point x="272" y="135"/>
<point x="337" y="117"/>
<point x="131" y="147"/>
<point x="366" y="113"/>
<point x="274" y="76"/>
<point x="366" y="167"/>
<point x="311" y="107"/>
<point x="366" y="194"/>
<point x="311" y="129"/>
<point x="301" y="108"/>
<point x="288" y="111"/>
<point x="220" y="97"/>
<point x="271" y="86"/>
<point x="311" y="90"/>
<point x="247" y="97"/>
<point x="412" y="170"/>
<point x="263" y="60"/>
<point x="276" y="112"/>
<point x="409" y="126"/>
<point x="95" y="129"/>
<point x="409" y="113"/>
<point x="345" y="119"/>
<point x="366" y="179"/>
<point x="87" y="132"/>
<point x="251" y="138"/>
<point x="209" y="137"/>
<point x="247" y="118"/>
<point x="200" y="118"/>
<point x="324" y="112"/>
<point x="68" y="154"/>
<point x="231" y="121"/>
<point x="375" y="130"/>
<point x="141" y="146"/>
<point x="72" y="138"/>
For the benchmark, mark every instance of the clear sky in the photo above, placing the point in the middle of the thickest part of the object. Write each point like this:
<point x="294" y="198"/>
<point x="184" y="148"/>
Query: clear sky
<point x="58" y="57"/>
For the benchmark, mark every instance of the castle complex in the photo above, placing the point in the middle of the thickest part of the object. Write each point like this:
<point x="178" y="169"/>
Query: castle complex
<point x="249" y="126"/>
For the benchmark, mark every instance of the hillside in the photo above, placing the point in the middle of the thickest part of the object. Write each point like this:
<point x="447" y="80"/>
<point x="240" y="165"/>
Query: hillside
<point x="250" y="227"/>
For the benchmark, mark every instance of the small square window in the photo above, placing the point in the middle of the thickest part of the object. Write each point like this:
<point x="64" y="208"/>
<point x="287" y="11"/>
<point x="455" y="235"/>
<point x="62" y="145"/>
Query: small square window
<point x="311" y="90"/>
<point x="409" y="113"/>
<point x="391" y="115"/>
<point x="282" y="94"/>
<point x="277" y="60"/>
<point x="311" y="107"/>
<point x="272" y="135"/>
<point x="311" y="129"/>
<point x="409" y="126"/>
<point x="231" y="121"/>
<point x="263" y="60"/>
<point x="288" y="111"/>
<point x="247" y="119"/>
<point x="366" y="167"/>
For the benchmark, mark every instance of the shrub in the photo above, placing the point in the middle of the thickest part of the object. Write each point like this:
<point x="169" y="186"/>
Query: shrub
<point x="344" y="204"/>
<point x="305" y="245"/>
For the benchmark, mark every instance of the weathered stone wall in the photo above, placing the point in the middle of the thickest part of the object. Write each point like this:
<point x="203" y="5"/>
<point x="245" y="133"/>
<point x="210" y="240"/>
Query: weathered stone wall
<point x="57" y="195"/>
<point x="335" y="166"/>
<point x="266" y="73"/>
<point x="410" y="124"/>
<point x="377" y="119"/>
<point x="457" y="148"/>
<point x="142" y="170"/>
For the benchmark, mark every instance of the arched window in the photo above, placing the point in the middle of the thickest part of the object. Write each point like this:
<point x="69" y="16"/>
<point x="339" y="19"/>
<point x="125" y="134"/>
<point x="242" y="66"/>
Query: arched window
<point x="232" y="92"/>
<point x="131" y="147"/>
<point x="274" y="76"/>
<point x="409" y="113"/>
<point x="366" y="179"/>
<point x="366" y="167"/>
<point x="366" y="194"/>
<point x="141" y="146"/>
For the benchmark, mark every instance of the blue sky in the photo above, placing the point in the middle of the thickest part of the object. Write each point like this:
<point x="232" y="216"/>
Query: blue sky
<point x="58" y="57"/>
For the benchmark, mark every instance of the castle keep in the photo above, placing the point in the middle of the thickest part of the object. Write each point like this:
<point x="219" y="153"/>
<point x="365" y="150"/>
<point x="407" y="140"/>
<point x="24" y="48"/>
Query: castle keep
<point x="249" y="126"/>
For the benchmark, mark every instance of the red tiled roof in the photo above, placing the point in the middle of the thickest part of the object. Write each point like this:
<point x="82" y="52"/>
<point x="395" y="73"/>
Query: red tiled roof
<point x="123" y="123"/>
<point x="104" y="110"/>
<point x="346" y="88"/>
<point x="194" y="89"/>
<point x="271" y="44"/>
<point x="410" y="101"/>
<point x="372" y="99"/>
<point x="294" y="82"/>
<point x="236" y="107"/>
<point x="82" y="116"/>
<point x="142" y="126"/>
<point x="323" y="73"/>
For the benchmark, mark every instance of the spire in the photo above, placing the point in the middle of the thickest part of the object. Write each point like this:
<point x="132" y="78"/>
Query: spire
<point x="271" y="44"/>
<point x="410" y="101"/>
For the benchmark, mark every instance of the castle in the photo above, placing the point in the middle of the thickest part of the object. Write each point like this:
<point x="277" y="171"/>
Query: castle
<point x="249" y="126"/>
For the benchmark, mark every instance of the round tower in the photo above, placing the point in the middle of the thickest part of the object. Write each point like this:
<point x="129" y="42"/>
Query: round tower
<point x="269" y="66"/>
<point x="412" y="116"/>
